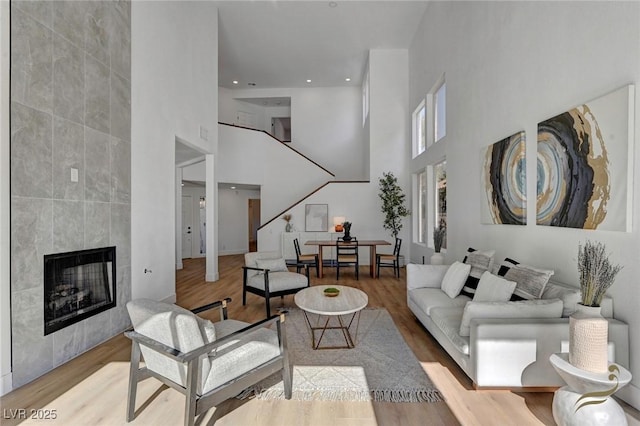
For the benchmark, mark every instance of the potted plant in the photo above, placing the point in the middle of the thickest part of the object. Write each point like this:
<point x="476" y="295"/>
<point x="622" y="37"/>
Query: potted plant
<point x="439" y="234"/>
<point x="588" y="330"/>
<point x="287" y="218"/>
<point x="392" y="198"/>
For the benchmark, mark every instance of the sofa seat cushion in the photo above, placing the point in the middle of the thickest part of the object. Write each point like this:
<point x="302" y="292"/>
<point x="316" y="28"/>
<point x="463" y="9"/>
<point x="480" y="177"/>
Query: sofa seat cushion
<point x="238" y="356"/>
<point x="428" y="298"/>
<point x="278" y="281"/>
<point x="448" y="321"/>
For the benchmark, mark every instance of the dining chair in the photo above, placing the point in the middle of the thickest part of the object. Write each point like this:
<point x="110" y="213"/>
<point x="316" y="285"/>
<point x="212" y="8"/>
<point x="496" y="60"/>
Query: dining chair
<point x="390" y="260"/>
<point x="305" y="259"/>
<point x="347" y="255"/>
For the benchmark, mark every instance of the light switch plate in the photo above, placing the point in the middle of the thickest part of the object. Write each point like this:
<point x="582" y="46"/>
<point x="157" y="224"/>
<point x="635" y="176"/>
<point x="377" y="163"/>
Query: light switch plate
<point x="74" y="174"/>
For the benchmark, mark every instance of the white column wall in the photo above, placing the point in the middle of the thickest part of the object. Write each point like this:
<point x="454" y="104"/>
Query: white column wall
<point x="5" y="143"/>
<point x="508" y="66"/>
<point x="233" y="220"/>
<point x="174" y="71"/>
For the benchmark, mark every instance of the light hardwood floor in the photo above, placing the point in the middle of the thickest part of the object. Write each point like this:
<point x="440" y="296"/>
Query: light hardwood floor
<point x="92" y="388"/>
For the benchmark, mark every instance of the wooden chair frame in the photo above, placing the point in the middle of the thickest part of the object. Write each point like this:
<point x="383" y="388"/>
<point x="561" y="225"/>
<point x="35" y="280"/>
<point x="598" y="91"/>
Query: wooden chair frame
<point x="348" y="248"/>
<point x="301" y="260"/>
<point x="267" y="294"/>
<point x="381" y="261"/>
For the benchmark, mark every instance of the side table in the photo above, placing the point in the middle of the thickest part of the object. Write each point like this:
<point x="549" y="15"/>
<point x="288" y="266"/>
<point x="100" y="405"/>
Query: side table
<point x="594" y="389"/>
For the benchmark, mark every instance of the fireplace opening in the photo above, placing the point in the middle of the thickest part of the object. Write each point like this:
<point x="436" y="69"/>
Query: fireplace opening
<point x="78" y="285"/>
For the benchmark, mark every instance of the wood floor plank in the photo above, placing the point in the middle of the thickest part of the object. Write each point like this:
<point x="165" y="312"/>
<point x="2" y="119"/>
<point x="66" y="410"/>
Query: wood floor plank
<point x="92" y="388"/>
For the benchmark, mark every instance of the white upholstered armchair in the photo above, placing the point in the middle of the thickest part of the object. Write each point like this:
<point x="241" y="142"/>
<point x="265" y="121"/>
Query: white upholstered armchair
<point x="208" y="362"/>
<point x="266" y="274"/>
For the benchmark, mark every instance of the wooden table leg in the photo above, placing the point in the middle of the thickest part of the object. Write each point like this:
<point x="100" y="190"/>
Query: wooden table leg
<point x="320" y="262"/>
<point x="372" y="261"/>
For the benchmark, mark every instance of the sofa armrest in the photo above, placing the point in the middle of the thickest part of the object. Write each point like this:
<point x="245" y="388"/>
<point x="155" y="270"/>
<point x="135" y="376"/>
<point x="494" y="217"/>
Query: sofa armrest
<point x="529" y="343"/>
<point x="420" y="276"/>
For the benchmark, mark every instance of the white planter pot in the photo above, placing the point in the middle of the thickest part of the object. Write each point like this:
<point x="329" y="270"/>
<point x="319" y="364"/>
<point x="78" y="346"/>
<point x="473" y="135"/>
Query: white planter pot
<point x="437" y="259"/>
<point x="588" y="338"/>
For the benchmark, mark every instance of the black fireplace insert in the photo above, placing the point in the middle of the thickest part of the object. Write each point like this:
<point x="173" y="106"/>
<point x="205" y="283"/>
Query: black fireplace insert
<point x="78" y="285"/>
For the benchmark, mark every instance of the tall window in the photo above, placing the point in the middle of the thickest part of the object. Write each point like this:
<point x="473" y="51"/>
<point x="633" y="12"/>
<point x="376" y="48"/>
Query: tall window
<point x="440" y="192"/>
<point x="365" y="98"/>
<point x="440" y="115"/>
<point x="420" y="222"/>
<point x="419" y="139"/>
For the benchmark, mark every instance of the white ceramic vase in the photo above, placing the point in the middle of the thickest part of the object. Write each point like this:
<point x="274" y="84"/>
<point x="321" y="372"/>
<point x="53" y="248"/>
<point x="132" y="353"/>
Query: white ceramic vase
<point x="437" y="259"/>
<point x="588" y="338"/>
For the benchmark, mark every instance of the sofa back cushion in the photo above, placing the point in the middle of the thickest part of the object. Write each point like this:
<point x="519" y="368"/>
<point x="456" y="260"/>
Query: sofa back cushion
<point x="480" y="262"/>
<point x="540" y="308"/>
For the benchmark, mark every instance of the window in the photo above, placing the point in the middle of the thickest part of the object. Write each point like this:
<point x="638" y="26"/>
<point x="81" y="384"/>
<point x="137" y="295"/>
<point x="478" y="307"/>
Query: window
<point x="440" y="193"/>
<point x="440" y="116"/>
<point x="420" y="221"/>
<point x="365" y="98"/>
<point x="419" y="140"/>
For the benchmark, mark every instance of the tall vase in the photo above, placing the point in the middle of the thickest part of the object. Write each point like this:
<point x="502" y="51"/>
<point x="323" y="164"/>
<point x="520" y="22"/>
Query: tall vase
<point x="588" y="339"/>
<point x="437" y="259"/>
<point x="289" y="227"/>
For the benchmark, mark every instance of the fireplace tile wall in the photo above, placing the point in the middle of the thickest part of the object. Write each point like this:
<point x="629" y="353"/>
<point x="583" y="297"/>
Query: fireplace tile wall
<point x="70" y="108"/>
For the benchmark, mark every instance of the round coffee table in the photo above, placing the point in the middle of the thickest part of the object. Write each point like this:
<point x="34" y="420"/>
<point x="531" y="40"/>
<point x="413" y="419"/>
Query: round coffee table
<point x="350" y="301"/>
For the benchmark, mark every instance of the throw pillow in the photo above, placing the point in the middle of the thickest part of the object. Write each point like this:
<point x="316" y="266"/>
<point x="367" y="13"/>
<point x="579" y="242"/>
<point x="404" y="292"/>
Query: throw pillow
<point x="530" y="281"/>
<point x="506" y="264"/>
<point x="492" y="288"/>
<point x="454" y="278"/>
<point x="273" y="265"/>
<point x="480" y="262"/>
<point x="541" y="308"/>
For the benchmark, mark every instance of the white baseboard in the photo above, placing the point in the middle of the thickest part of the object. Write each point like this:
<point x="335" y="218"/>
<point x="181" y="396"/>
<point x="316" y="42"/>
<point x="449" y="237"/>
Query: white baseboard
<point x="230" y="252"/>
<point x="179" y="265"/>
<point x="631" y="395"/>
<point x="170" y="299"/>
<point x="212" y="277"/>
<point x="6" y="384"/>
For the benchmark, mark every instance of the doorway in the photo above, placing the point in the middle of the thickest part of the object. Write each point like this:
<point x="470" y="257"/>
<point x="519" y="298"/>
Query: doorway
<point x="187" y="227"/>
<point x="254" y="223"/>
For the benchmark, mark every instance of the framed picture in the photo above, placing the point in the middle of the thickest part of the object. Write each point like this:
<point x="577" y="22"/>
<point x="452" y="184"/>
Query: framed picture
<point x="316" y="217"/>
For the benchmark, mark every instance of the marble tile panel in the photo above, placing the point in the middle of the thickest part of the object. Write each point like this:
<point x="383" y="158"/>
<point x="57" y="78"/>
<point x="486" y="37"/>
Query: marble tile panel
<point x="120" y="108"/>
<point x="31" y="239"/>
<point x="32" y="352"/>
<point x="120" y="38"/>
<point x="121" y="232"/>
<point x="68" y="225"/>
<point x="68" y="20"/>
<point x="96" y="30"/>
<point x="97" y="329"/>
<point x="68" y="343"/>
<point x="68" y="80"/>
<point x="120" y="171"/>
<point x="97" y="224"/>
<point x="68" y="153"/>
<point x="41" y="11"/>
<point x="97" y="166"/>
<point x="31" y="62"/>
<point x="96" y="113"/>
<point x="120" y="320"/>
<point x="31" y="156"/>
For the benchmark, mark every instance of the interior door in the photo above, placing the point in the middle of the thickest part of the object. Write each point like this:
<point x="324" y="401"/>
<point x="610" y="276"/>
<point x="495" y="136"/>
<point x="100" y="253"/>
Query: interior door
<point x="254" y="223"/>
<point x="187" y="226"/>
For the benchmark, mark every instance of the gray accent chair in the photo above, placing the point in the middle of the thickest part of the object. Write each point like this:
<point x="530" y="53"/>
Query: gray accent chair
<point x="268" y="283"/>
<point x="209" y="362"/>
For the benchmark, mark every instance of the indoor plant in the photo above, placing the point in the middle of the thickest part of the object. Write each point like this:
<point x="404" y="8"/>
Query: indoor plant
<point x="347" y="231"/>
<point x="439" y="234"/>
<point x="393" y="207"/>
<point x="287" y="218"/>
<point x="596" y="273"/>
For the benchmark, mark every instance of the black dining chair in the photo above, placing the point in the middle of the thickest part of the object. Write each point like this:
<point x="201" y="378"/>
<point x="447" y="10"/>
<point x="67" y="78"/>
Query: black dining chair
<point x="305" y="259"/>
<point x="390" y="260"/>
<point x="347" y="255"/>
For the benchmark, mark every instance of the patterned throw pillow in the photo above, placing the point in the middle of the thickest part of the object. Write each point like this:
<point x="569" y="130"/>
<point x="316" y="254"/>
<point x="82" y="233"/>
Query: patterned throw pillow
<point x="273" y="265"/>
<point x="530" y="281"/>
<point x="480" y="262"/>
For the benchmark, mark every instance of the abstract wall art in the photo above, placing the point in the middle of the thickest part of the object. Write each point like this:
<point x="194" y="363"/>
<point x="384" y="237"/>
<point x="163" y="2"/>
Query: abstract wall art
<point x="316" y="217"/>
<point x="504" y="178"/>
<point x="585" y="165"/>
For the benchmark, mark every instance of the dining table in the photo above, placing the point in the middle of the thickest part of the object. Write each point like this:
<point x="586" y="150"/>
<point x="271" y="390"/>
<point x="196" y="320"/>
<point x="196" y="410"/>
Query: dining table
<point x="372" y="244"/>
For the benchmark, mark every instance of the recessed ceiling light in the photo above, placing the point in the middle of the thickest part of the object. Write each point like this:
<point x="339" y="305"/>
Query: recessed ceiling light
<point x="235" y="81"/>
<point x="347" y="79"/>
<point x="308" y="81"/>
<point x="333" y="4"/>
<point x="182" y="184"/>
<point x="233" y="187"/>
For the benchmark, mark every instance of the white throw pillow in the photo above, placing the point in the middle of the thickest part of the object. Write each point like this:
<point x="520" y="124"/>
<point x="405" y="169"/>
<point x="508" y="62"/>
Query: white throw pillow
<point x="539" y="308"/>
<point x="454" y="278"/>
<point x="273" y="265"/>
<point x="493" y="288"/>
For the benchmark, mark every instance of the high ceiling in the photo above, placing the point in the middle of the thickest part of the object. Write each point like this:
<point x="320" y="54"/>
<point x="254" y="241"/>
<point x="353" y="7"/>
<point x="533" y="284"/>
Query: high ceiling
<point x="277" y="44"/>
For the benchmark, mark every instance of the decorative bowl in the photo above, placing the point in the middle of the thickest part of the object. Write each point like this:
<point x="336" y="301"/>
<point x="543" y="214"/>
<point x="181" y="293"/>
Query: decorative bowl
<point x="331" y="292"/>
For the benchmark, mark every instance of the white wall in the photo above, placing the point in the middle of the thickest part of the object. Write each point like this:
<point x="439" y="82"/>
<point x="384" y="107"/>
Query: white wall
<point x="5" y="138"/>
<point x="233" y="220"/>
<point x="174" y="70"/>
<point x="509" y="65"/>
<point x="254" y="158"/>
<point x="326" y="124"/>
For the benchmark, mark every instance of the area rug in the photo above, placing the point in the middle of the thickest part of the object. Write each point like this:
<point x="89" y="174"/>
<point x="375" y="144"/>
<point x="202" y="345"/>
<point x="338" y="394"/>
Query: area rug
<point x="381" y="367"/>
